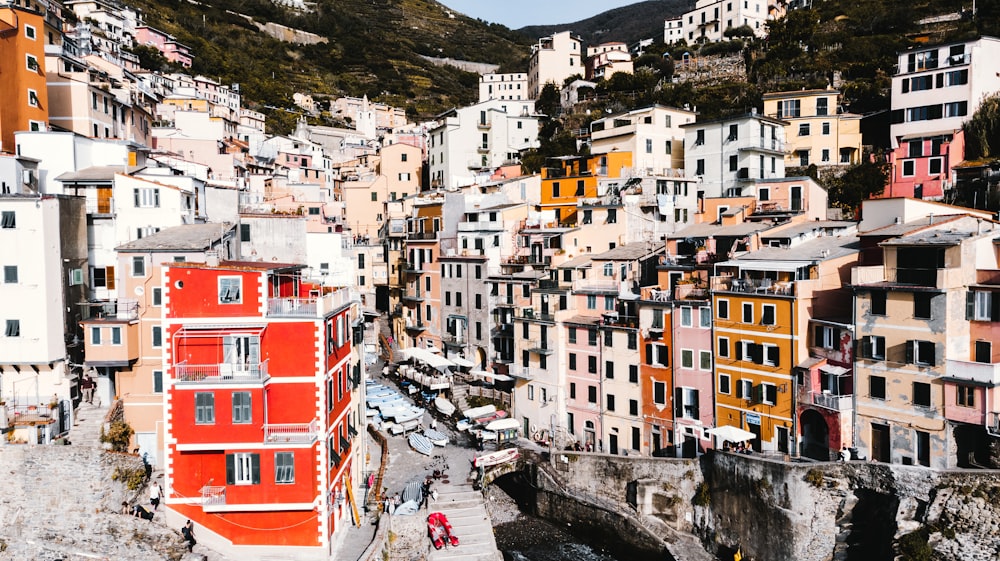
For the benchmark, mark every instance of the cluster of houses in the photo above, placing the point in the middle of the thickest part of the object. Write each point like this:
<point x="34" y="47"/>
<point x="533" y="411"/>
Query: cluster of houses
<point x="217" y="282"/>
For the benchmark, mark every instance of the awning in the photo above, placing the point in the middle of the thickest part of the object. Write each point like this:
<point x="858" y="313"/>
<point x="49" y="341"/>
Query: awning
<point x="433" y="349"/>
<point x="427" y="357"/>
<point x="762" y="265"/>
<point x="731" y="433"/>
<point x="831" y="369"/>
<point x="463" y="362"/>
<point x="491" y="376"/>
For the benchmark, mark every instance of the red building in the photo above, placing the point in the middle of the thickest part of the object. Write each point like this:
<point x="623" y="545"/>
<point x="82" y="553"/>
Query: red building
<point x="259" y="418"/>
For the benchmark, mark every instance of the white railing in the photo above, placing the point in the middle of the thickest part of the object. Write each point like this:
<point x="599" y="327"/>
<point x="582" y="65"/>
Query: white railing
<point x="835" y="402"/>
<point x="868" y="275"/>
<point x="315" y="306"/>
<point x="982" y="372"/>
<point x="213" y="495"/>
<point x="225" y="372"/>
<point x="596" y="285"/>
<point x="290" y="432"/>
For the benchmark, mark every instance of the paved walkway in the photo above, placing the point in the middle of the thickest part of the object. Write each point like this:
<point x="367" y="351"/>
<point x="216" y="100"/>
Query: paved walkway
<point x="87" y="422"/>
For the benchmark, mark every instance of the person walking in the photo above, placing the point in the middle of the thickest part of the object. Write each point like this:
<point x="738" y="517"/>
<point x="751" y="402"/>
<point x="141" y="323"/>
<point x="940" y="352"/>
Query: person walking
<point x="87" y="387"/>
<point x="155" y="492"/>
<point x="188" y="532"/>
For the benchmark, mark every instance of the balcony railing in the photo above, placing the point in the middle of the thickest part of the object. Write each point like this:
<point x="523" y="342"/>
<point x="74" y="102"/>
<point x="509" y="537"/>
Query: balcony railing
<point x="755" y="286"/>
<point x="104" y="206"/>
<point x="225" y="372"/>
<point x="834" y="402"/>
<point x="532" y="313"/>
<point x="982" y="372"/>
<point x="539" y="346"/>
<point x="608" y="286"/>
<point x="482" y="225"/>
<point x="421" y="235"/>
<point x="316" y="306"/>
<point x="291" y="433"/>
<point x="112" y="310"/>
<point x="213" y="495"/>
<point x="525" y="372"/>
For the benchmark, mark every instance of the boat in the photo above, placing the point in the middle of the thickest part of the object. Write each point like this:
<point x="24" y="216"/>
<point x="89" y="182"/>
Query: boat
<point x="421" y="444"/>
<point x="486" y="419"/>
<point x="412" y="491"/>
<point x="436" y="438"/>
<point x="444" y="406"/>
<point x="440" y="530"/>
<point x="496" y="458"/>
<point x="464" y="424"/>
<point x="397" y="429"/>
<point x="503" y="424"/>
<point x="477" y="412"/>
<point x="404" y="414"/>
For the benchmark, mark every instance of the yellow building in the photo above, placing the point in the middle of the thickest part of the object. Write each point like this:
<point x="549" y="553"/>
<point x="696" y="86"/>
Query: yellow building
<point x="763" y="302"/>
<point x="566" y="180"/>
<point x="817" y="132"/>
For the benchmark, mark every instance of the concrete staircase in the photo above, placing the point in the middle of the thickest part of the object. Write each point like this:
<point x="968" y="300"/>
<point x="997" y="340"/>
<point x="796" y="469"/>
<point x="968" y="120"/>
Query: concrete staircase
<point x="87" y="422"/>
<point x="466" y="512"/>
<point x="459" y="395"/>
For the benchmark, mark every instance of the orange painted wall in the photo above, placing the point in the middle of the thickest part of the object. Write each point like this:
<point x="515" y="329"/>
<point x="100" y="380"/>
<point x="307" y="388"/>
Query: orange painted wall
<point x="15" y="110"/>
<point x="298" y="528"/>
<point x="573" y="177"/>
<point x="649" y="374"/>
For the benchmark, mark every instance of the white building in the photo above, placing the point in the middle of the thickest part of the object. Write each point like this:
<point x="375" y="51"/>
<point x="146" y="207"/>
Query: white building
<point x="503" y="86"/>
<point x="937" y="89"/>
<point x="553" y="59"/>
<point x="485" y="135"/>
<point x="710" y="19"/>
<point x="729" y="154"/>
<point x="653" y="134"/>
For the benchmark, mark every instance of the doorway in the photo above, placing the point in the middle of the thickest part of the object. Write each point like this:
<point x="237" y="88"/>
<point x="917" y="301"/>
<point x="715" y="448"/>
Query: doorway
<point x="755" y="443"/>
<point x="815" y="436"/>
<point x="613" y="444"/>
<point x="880" y="443"/>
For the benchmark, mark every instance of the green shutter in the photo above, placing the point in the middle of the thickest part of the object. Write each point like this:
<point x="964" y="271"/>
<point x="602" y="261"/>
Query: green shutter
<point x="678" y="403"/>
<point x="230" y="469"/>
<point x="909" y="352"/>
<point x="970" y="305"/>
<point x="255" y="468"/>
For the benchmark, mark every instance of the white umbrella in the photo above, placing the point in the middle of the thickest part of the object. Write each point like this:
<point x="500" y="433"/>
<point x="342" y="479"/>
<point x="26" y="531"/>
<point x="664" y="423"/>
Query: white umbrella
<point x="462" y="362"/>
<point x="731" y="433"/>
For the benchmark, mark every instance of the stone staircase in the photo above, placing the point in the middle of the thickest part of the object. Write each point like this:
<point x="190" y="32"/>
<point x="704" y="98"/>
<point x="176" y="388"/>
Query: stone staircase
<point x="466" y="512"/>
<point x="460" y="395"/>
<point x="87" y="422"/>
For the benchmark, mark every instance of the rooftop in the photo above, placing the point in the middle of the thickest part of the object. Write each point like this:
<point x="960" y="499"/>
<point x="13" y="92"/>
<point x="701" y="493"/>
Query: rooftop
<point x="820" y="249"/>
<point x="97" y="173"/>
<point x="187" y="237"/>
<point x="577" y="262"/>
<point x="627" y="252"/>
<point x="705" y="229"/>
<point x="239" y="266"/>
<point x="801" y="228"/>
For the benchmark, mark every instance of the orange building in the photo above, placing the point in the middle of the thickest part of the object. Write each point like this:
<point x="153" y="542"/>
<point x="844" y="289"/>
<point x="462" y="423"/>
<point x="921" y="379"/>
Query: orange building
<point x="23" y="93"/>
<point x="566" y="180"/>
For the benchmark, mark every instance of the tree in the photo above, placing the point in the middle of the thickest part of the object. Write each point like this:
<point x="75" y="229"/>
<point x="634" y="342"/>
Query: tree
<point x="548" y="100"/>
<point x="858" y="183"/>
<point x="982" y="132"/>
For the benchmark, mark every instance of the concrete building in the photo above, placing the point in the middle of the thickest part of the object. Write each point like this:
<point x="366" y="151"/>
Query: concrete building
<point x="503" y="86"/>
<point x="26" y="104"/>
<point x="728" y="154"/>
<point x="607" y="59"/>
<point x="483" y="136"/>
<point x="912" y="317"/>
<point x="818" y="131"/>
<point x="553" y="59"/>
<point x="935" y="90"/>
<point x="654" y="135"/>
<point x="710" y="19"/>
<point x="167" y="44"/>
<point x="567" y="180"/>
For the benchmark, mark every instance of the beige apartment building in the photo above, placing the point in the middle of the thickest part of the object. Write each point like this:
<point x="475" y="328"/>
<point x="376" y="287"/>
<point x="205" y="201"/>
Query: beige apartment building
<point x="817" y="132"/>
<point x="553" y="59"/>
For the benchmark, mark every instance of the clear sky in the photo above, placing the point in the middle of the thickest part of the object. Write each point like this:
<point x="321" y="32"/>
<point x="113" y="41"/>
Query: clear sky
<point x="520" y="13"/>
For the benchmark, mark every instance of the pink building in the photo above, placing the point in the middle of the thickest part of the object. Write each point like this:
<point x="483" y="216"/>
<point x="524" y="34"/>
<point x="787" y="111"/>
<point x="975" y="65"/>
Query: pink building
<point x="583" y="377"/>
<point x="922" y="167"/>
<point x="693" y="370"/>
<point x="825" y="390"/>
<point x="171" y="49"/>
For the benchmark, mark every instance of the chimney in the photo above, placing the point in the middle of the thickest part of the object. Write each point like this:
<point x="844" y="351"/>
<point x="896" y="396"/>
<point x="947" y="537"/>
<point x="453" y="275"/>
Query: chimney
<point x="212" y="258"/>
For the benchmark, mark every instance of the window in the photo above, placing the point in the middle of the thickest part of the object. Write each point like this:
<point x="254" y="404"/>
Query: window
<point x="659" y="393"/>
<point x="687" y="358"/>
<point x="921" y="394"/>
<point x="723" y="309"/>
<point x="935" y="166"/>
<point x="592" y="364"/>
<point x="29" y="32"/>
<point x="965" y="396"/>
<point x="531" y="392"/>
<point x="824" y="337"/>
<point x="95" y="336"/>
<point x="980" y="306"/>
<point x="230" y="290"/>
<point x="920" y="353"/>
<point x="592" y="394"/>
<point x="824" y="155"/>
<point x="768" y="393"/>
<point x="956" y="109"/>
<point x="822" y="106"/>
<point x="609" y="302"/>
<point x="685" y="316"/>
<point x="243" y="469"/>
<point x="873" y="347"/>
<point x="146" y="198"/>
<point x="877" y="303"/>
<point x="609" y="370"/>
<point x="32" y="63"/>
<point x="699" y="167"/>
<point x="633" y="407"/>
<point x="724" y="384"/>
<point x="649" y="145"/>
<point x="705" y="360"/>
<point x="116" y="335"/>
<point x="699" y="137"/>
<point x="591" y="302"/>
<point x="32" y="98"/>
<point x="204" y="408"/>
<point x="632" y="340"/>
<point x="633" y="374"/>
<point x="657" y="354"/>
<point x="745" y="350"/>
<point x="804" y="129"/>
<point x="734" y="132"/>
<point x="572" y="335"/>
<point x="244" y="232"/>
<point x="241" y="408"/>
<point x="771" y="355"/>
<point x="13" y="328"/>
<point x="747" y="312"/>
<point x="767" y="315"/>
<point x="572" y="361"/>
<point x="284" y="465"/>
<point x="876" y="387"/>
<point x="724" y="347"/>
<point x="7" y="220"/>
<point x="744" y="389"/>
<point x="788" y="108"/>
<point x="10" y="274"/>
<point x="592" y="337"/>
<point x="157" y="381"/>
<point x="921" y="306"/>
<point x="138" y="266"/>
<point x="610" y="403"/>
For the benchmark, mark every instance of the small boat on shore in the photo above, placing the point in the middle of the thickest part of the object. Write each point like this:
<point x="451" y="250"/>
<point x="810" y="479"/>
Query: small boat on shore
<point x="436" y="438"/>
<point x="421" y="444"/>
<point x="503" y="424"/>
<point x="496" y="458"/>
<point x="440" y="530"/>
<point x="444" y="406"/>
<point x="477" y="412"/>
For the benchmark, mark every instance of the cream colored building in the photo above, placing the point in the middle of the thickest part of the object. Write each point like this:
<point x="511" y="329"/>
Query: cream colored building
<point x="653" y="134"/>
<point x="817" y="132"/>
<point x="503" y="86"/>
<point x="553" y="59"/>
<point x="398" y="171"/>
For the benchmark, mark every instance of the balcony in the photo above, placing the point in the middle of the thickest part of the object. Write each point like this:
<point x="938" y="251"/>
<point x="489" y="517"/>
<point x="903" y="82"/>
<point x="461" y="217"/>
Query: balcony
<point x="538" y="346"/>
<point x="502" y="330"/>
<point x="458" y="341"/>
<point x="221" y="373"/>
<point x="525" y="372"/>
<point x="286" y="433"/>
<point x="753" y="286"/>
<point x="317" y="306"/>
<point x="414" y="296"/>
<point x="418" y="236"/>
<point x="100" y="206"/>
<point x="481" y="226"/>
<point x="533" y="314"/>
<point x="979" y="372"/>
<point x="111" y="310"/>
<point x="908" y="276"/>
<point x="415" y="325"/>
<point x="484" y="125"/>
<point x="768" y="144"/>
<point x="833" y="402"/>
<point x="600" y="286"/>
<point x="213" y="496"/>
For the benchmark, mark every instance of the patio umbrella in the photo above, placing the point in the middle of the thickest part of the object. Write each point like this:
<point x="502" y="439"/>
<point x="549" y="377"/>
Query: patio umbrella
<point x="731" y="433"/>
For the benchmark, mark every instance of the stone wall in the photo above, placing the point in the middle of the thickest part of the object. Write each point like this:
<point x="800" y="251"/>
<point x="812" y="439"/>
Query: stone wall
<point x="63" y="502"/>
<point x="772" y="509"/>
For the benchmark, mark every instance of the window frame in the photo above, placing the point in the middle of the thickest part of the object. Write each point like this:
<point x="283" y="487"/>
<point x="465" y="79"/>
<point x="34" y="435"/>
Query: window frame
<point x="239" y="289"/>
<point x="242" y="411"/>
<point x="764" y="312"/>
<point x="284" y="468"/>
<point x="204" y="408"/>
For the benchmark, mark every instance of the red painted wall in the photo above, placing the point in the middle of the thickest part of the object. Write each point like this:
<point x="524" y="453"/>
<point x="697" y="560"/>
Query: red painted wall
<point x="198" y="294"/>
